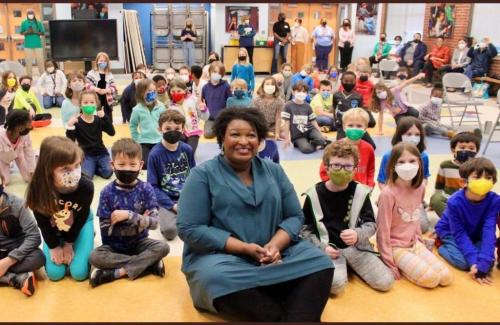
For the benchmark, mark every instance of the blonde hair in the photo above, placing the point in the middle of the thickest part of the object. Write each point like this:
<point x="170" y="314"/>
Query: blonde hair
<point x="242" y="49"/>
<point x="239" y="83"/>
<point x="356" y="113"/>
<point x="365" y="69"/>
<point x="193" y="27"/>
<point x="106" y="56"/>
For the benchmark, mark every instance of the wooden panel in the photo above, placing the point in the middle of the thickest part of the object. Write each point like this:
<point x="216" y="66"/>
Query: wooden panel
<point x="262" y="58"/>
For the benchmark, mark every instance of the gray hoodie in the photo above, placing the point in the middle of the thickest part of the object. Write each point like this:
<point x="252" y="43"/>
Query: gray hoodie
<point x="19" y="233"/>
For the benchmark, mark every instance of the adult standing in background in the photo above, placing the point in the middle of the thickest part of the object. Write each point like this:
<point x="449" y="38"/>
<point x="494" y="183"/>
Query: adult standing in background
<point x="281" y="32"/>
<point x="300" y="37"/>
<point x="188" y="37"/>
<point x="32" y="29"/>
<point x="323" y="37"/>
<point x="247" y="33"/>
<point x="346" y="43"/>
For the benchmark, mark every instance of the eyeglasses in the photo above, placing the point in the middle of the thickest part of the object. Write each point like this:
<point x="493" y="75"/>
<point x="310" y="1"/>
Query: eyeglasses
<point x="346" y="167"/>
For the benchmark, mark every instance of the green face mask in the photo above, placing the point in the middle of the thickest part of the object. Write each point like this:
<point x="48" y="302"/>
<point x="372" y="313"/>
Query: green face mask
<point x="354" y="134"/>
<point x="340" y="177"/>
<point x="88" y="109"/>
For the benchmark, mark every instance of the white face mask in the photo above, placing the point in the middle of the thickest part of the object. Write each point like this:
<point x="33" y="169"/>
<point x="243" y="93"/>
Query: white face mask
<point x="303" y="73"/>
<point x="31" y="16"/>
<point x="184" y="78"/>
<point x="247" y="22"/>
<point x="70" y="179"/>
<point x="414" y="139"/>
<point x="170" y="76"/>
<point x="382" y="95"/>
<point x="436" y="101"/>
<point x="136" y="81"/>
<point x="397" y="42"/>
<point x="50" y="69"/>
<point x="77" y="86"/>
<point x="287" y="73"/>
<point x="407" y="171"/>
<point x="300" y="96"/>
<point x="215" y="77"/>
<point x="482" y="45"/>
<point x="296" y="25"/>
<point x="269" y="89"/>
<point x="461" y="46"/>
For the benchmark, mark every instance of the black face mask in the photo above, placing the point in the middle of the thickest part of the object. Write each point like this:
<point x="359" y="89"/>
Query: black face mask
<point x="363" y="78"/>
<point x="126" y="176"/>
<point x="416" y="40"/>
<point x="347" y="25"/>
<point x="242" y="58"/>
<point x="281" y="18"/>
<point x="348" y="87"/>
<point x="26" y="87"/>
<point x="172" y="136"/>
<point x="25" y="131"/>
<point x="323" y="24"/>
<point x="382" y="39"/>
<point x="402" y="76"/>
<point x="464" y="155"/>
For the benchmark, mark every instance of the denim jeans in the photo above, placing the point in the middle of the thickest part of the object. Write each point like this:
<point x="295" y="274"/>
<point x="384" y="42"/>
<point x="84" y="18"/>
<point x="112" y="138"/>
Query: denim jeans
<point x="322" y="53"/>
<point x="188" y="51"/>
<point x="97" y="165"/>
<point x="278" y="51"/>
<point x="50" y="101"/>
<point x="324" y="120"/>
<point x="450" y="251"/>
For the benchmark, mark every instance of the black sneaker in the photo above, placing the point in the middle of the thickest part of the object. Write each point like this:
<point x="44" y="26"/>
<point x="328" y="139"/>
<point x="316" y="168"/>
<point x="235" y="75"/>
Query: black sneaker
<point x="157" y="268"/>
<point x="25" y="282"/>
<point x="98" y="277"/>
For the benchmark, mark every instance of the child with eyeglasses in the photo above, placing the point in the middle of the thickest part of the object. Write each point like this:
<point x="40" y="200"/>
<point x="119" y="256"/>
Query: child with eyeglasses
<point x="339" y="219"/>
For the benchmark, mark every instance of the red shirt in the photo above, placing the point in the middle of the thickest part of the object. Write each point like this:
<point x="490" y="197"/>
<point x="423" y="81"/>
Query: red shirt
<point x="442" y="52"/>
<point x="365" y="172"/>
<point x="365" y="89"/>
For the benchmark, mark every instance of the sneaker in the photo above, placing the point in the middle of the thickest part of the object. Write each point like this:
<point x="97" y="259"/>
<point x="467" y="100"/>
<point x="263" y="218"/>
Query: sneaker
<point x="98" y="277"/>
<point x="157" y="268"/>
<point x="25" y="282"/>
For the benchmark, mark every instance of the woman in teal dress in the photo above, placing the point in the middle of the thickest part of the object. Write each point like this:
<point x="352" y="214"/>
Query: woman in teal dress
<point x="239" y="218"/>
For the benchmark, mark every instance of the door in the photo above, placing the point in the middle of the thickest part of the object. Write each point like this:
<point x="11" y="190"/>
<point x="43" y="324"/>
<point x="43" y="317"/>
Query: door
<point x="311" y="14"/>
<point x="11" y="17"/>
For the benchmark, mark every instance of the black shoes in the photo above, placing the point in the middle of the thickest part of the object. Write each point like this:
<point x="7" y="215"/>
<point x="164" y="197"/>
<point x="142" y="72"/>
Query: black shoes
<point x="98" y="277"/>
<point x="157" y="268"/>
<point x="24" y="282"/>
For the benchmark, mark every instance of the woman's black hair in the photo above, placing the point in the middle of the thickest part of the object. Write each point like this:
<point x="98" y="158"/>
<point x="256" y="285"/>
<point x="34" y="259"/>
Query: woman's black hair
<point x="254" y="117"/>
<point x="15" y="118"/>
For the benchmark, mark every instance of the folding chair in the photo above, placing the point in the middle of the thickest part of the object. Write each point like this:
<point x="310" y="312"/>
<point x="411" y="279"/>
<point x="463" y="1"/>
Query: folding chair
<point x="13" y="66"/>
<point x="465" y="100"/>
<point x="387" y="66"/>
<point x="496" y="127"/>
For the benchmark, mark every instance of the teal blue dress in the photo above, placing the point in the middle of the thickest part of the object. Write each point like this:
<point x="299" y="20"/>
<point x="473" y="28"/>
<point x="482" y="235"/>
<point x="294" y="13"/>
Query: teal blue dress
<point x="215" y="204"/>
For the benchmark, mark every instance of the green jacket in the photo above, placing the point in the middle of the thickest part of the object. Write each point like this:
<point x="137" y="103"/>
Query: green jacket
<point x="32" y="41"/>
<point x="385" y="50"/>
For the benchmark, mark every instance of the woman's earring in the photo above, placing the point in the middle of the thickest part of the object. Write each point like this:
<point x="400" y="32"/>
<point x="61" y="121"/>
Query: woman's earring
<point x="222" y="149"/>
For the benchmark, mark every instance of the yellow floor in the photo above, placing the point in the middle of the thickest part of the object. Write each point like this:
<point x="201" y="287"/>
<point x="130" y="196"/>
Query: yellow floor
<point x="155" y="299"/>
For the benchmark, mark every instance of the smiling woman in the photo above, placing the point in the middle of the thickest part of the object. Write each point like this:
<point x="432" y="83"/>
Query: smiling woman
<point x="239" y="218"/>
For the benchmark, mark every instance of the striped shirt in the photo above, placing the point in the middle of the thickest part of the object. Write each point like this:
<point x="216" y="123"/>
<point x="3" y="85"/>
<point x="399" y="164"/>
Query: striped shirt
<point x="448" y="179"/>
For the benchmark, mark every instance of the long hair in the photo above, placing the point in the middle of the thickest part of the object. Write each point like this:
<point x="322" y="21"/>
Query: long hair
<point x="375" y="104"/>
<point x="106" y="56"/>
<point x="55" y="151"/>
<point x="70" y="77"/>
<point x="247" y="61"/>
<point x="396" y="153"/>
<point x="5" y="76"/>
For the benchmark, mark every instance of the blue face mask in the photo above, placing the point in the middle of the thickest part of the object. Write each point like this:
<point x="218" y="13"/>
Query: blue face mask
<point x="102" y="65"/>
<point x="239" y="93"/>
<point x="151" y="96"/>
<point x="333" y="74"/>
<point x="325" y="94"/>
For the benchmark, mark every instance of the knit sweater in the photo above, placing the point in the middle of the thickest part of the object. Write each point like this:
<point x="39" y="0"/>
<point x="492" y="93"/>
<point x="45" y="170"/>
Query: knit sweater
<point x="398" y="220"/>
<point x="270" y="107"/>
<point x="448" y="178"/>
<point x="469" y="223"/>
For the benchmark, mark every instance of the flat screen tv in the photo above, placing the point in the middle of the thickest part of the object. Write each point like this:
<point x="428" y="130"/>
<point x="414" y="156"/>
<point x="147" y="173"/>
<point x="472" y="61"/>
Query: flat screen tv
<point x="83" y="39"/>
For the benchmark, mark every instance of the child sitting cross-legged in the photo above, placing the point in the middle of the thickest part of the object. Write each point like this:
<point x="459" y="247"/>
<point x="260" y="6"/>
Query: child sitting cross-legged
<point x="127" y="210"/>
<point x="466" y="231"/>
<point x="339" y="219"/>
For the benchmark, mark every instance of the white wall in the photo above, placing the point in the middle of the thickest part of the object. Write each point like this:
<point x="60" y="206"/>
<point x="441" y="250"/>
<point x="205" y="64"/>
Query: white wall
<point x="486" y="21"/>
<point x="63" y="11"/>
<point x="405" y="19"/>
<point x="218" y="22"/>
<point x="364" y="44"/>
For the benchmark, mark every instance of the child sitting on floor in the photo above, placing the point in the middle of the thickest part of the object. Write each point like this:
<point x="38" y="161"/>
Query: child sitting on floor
<point x="339" y="219"/>
<point x="301" y="127"/>
<point x="170" y="163"/>
<point x="466" y="231"/>
<point x="127" y="210"/>
<point x="399" y="236"/>
<point x="355" y="122"/>
<point x="322" y="105"/>
<point x="464" y="146"/>
<point x="430" y="115"/>
<point x="240" y="96"/>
